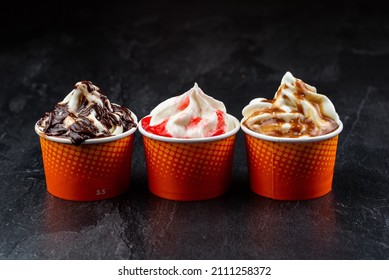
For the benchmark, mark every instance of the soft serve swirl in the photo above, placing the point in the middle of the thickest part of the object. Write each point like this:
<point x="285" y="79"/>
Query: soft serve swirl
<point x="297" y="110"/>
<point x="190" y="115"/>
<point x="86" y="113"/>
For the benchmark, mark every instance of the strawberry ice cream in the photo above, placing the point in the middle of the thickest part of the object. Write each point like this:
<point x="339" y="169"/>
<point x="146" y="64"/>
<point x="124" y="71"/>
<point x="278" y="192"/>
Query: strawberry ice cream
<point x="190" y="115"/>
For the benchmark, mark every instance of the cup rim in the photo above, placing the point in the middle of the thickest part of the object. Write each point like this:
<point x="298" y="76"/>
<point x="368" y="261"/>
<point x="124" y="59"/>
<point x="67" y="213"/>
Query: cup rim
<point x="191" y="140"/>
<point x="291" y="140"/>
<point x="89" y="141"/>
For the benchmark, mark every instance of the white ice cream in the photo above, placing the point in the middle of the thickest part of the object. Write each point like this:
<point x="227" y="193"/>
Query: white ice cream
<point x="297" y="110"/>
<point x="192" y="115"/>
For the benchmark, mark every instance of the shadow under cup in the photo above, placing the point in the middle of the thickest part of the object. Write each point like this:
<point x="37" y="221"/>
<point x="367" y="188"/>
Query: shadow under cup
<point x="97" y="169"/>
<point x="291" y="168"/>
<point x="189" y="169"/>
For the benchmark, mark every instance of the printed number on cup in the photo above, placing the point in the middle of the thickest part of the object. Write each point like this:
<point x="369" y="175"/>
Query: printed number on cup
<point x="100" y="191"/>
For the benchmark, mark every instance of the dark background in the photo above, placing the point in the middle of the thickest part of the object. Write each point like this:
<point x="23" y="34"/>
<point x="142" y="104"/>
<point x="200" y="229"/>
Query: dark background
<point x="141" y="53"/>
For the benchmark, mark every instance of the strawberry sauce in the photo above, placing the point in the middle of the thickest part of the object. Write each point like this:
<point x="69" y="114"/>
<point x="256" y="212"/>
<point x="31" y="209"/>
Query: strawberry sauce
<point x="159" y="129"/>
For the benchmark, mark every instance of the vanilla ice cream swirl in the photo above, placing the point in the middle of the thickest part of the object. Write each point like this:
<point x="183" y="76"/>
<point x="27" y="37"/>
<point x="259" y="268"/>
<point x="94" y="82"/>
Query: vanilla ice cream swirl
<point x="190" y="115"/>
<point x="86" y="113"/>
<point x="297" y="110"/>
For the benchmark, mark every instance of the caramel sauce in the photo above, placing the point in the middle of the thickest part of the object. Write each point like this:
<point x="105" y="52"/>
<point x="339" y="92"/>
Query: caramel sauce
<point x="299" y="127"/>
<point x="301" y="89"/>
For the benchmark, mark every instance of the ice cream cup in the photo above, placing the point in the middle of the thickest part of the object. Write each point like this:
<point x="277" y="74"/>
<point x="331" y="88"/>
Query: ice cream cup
<point x="291" y="168"/>
<point x="97" y="169"/>
<point x="189" y="169"/>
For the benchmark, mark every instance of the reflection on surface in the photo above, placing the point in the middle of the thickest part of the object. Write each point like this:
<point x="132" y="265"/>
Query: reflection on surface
<point x="72" y="227"/>
<point x="275" y="226"/>
<point x="178" y="229"/>
<point x="238" y="225"/>
<point x="64" y="215"/>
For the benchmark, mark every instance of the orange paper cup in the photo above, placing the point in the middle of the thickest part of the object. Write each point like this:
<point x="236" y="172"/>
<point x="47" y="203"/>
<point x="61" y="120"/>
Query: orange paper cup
<point x="291" y="168"/>
<point x="97" y="169"/>
<point x="189" y="169"/>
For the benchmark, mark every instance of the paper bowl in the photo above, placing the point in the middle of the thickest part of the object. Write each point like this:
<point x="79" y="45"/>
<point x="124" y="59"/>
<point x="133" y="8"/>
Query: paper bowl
<point x="97" y="169"/>
<point x="291" y="168"/>
<point x="189" y="169"/>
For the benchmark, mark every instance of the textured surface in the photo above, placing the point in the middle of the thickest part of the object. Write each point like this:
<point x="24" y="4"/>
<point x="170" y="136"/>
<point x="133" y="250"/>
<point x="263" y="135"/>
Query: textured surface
<point x="87" y="172"/>
<point x="189" y="171"/>
<point x="145" y="53"/>
<point x="291" y="171"/>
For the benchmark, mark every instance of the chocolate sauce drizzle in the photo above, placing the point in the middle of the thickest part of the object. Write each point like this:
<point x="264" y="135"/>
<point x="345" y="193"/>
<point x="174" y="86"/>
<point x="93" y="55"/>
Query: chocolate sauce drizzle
<point x="83" y="128"/>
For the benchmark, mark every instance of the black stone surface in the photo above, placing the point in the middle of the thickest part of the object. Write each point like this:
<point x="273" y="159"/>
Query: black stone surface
<point x="143" y="53"/>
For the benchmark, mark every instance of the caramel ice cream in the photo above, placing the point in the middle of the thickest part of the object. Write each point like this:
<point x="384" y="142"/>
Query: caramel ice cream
<point x="296" y="111"/>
